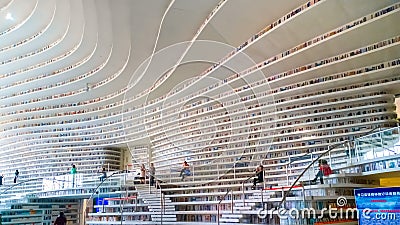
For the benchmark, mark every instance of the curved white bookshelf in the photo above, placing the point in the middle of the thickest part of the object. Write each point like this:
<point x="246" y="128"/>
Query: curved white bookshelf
<point x="66" y="96"/>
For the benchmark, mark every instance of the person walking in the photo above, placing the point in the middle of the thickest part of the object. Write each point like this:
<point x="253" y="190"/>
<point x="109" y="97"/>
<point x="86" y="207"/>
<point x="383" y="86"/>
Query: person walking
<point x="1" y="179"/>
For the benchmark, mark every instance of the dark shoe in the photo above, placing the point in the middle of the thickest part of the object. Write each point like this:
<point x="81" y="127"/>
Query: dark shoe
<point x="313" y="182"/>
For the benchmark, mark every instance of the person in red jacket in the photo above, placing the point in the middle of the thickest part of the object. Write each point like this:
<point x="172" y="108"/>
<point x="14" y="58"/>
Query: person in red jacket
<point x="185" y="170"/>
<point x="324" y="170"/>
<point x="61" y="219"/>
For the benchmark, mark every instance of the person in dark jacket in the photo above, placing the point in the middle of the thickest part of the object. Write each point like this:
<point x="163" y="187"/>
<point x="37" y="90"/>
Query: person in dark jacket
<point x="104" y="174"/>
<point x="16" y="176"/>
<point x="259" y="176"/>
<point x="61" y="219"/>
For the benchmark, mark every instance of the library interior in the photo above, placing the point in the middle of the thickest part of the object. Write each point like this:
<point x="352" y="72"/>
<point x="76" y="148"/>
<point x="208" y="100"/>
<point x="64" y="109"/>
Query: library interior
<point x="188" y="112"/>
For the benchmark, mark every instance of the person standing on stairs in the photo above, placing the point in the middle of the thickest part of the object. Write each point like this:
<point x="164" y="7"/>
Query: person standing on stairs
<point x="16" y="176"/>
<point x="142" y="174"/>
<point x="73" y="173"/>
<point x="152" y="172"/>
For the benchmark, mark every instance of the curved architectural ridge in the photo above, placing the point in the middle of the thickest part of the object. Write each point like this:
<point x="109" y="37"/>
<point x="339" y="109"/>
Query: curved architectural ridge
<point x="74" y="88"/>
<point x="10" y="16"/>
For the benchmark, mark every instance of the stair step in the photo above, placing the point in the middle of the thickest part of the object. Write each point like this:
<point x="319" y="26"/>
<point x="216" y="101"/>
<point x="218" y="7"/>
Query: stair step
<point x="164" y="215"/>
<point x="158" y="212"/>
<point x="245" y="204"/>
<point x="242" y="207"/>
<point x="164" y="220"/>
<point x="254" y="200"/>
<point x="229" y="220"/>
<point x="166" y="212"/>
<point x="155" y="203"/>
<point x="152" y="198"/>
<point x="156" y="199"/>
<point x="237" y="216"/>
<point x="149" y="195"/>
<point x="158" y="208"/>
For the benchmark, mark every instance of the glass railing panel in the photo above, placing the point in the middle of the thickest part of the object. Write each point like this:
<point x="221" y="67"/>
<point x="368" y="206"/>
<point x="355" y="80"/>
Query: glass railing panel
<point x="379" y="144"/>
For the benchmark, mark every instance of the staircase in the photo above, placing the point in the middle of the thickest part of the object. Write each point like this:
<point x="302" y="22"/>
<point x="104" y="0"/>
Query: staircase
<point x="252" y="204"/>
<point x="152" y="197"/>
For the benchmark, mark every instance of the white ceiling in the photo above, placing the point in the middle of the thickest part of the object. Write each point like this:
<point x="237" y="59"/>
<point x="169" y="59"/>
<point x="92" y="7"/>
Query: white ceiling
<point x="107" y="44"/>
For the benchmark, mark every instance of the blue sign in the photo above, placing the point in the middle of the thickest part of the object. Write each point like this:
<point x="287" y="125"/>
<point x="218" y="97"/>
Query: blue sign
<point x="101" y="202"/>
<point x="378" y="206"/>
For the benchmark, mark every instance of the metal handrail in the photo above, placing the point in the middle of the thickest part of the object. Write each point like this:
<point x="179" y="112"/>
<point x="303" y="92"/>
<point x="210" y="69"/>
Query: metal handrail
<point x="98" y="186"/>
<point x="221" y="199"/>
<point x="26" y="181"/>
<point x="162" y="196"/>
<point x="388" y="149"/>
<point x="305" y="170"/>
<point x="243" y="182"/>
<point x="314" y="161"/>
<point x="162" y="200"/>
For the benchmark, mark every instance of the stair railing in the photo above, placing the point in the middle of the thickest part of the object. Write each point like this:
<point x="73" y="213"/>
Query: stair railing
<point x="291" y="160"/>
<point x="230" y="190"/>
<point x="162" y="196"/>
<point x="26" y="181"/>
<point x="243" y="189"/>
<point x="305" y="170"/>
<point x="330" y="148"/>
<point x="97" y="187"/>
<point x="368" y="141"/>
<point x="162" y="202"/>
